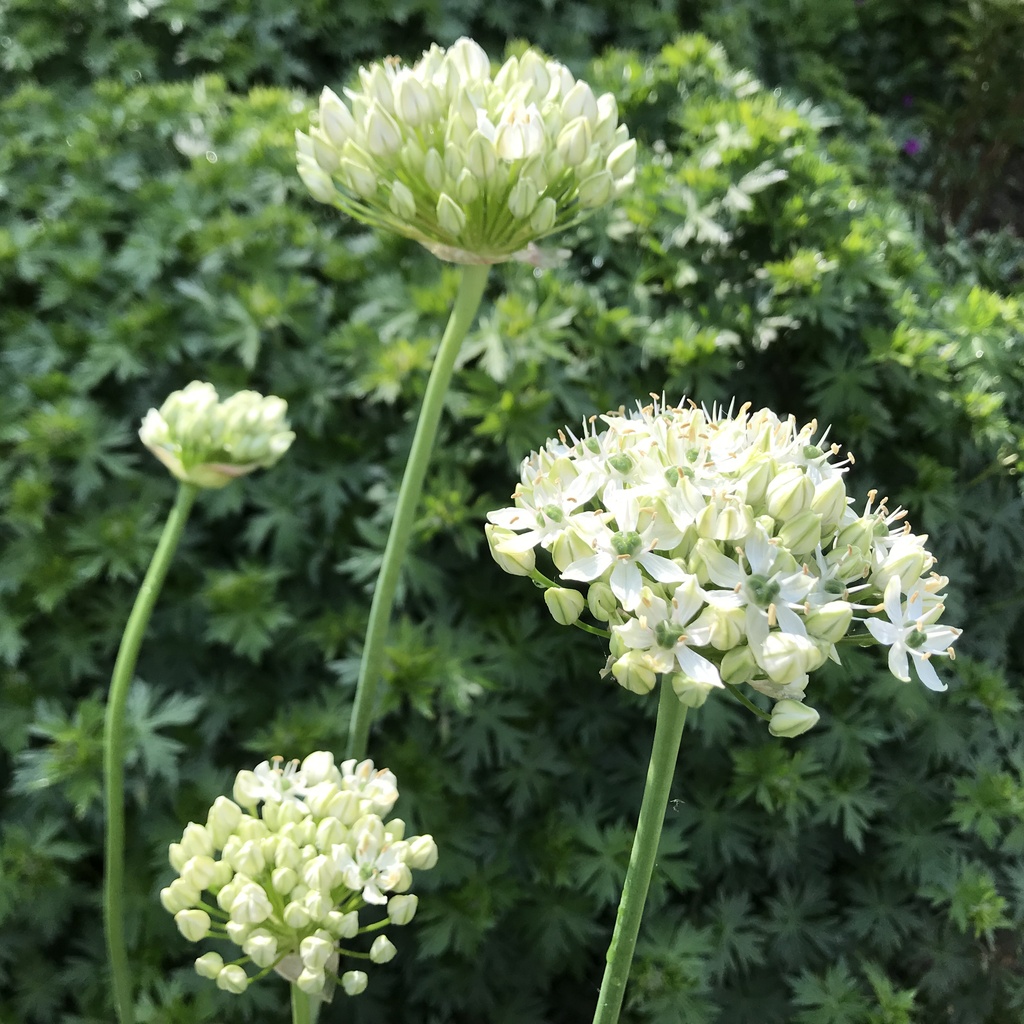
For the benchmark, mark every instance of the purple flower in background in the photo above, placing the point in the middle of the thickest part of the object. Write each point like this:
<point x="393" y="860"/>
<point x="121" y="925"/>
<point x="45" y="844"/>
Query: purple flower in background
<point x="912" y="147"/>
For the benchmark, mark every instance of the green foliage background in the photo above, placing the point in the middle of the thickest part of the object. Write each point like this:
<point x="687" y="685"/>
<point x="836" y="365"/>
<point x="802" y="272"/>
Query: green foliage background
<point x="154" y="231"/>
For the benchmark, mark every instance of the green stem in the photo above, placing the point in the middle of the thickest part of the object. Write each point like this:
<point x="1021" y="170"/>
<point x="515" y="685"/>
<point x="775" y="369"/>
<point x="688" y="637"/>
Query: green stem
<point x="667" y="733"/>
<point x="301" y="1006"/>
<point x="747" y="702"/>
<point x="467" y="302"/>
<point x="113" y="751"/>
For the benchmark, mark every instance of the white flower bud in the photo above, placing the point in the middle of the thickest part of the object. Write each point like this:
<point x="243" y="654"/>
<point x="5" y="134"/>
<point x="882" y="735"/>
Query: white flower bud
<point x="580" y="102"/>
<point x="725" y="626"/>
<point x="413" y="103"/>
<point x="395" y="828"/>
<point x="829" y="502"/>
<point x="248" y="859"/>
<point x="523" y="199"/>
<point x="573" y="142"/>
<point x="383" y="950"/>
<point x="382" y="134"/>
<point x="602" y="602"/>
<point x="283" y="880"/>
<point x="622" y="159"/>
<point x="402" y="202"/>
<point x="315" y="952"/>
<point x="296" y="915"/>
<point x="251" y="905"/>
<point x="199" y="872"/>
<point x="787" y="658"/>
<point x="326" y="156"/>
<point x="738" y="665"/>
<point x="318" y="183"/>
<point x="542" y="220"/>
<point x="830" y="622"/>
<point x="358" y="178"/>
<point x="223" y="819"/>
<point x="422" y="854"/>
<point x="178" y="856"/>
<point x="197" y="840"/>
<point x="517" y="563"/>
<point x="261" y="946"/>
<point x="596" y="190"/>
<point x="342" y="926"/>
<point x="320" y="873"/>
<point x="801" y="534"/>
<point x="791" y="718"/>
<point x="789" y="494"/>
<point x="318" y="903"/>
<point x="209" y="965"/>
<point x="238" y="931"/>
<point x="353" y="982"/>
<point x="859" y="535"/>
<point x="692" y="693"/>
<point x="311" y="982"/>
<point x="566" y="606"/>
<point x="450" y="215"/>
<point x="402" y="909"/>
<point x="907" y="559"/>
<point x="633" y="671"/>
<point x="193" y="924"/>
<point x="336" y="119"/>
<point x="179" y="895"/>
<point x="330" y="832"/>
<point x="233" y="978"/>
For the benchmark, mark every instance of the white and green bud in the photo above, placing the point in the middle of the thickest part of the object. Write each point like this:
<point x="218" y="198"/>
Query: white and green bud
<point x="738" y="665"/>
<point x="566" y="606"/>
<point x="603" y="604"/>
<point x="402" y="909"/>
<point x="514" y="562"/>
<point x="383" y="950"/>
<point x="193" y="924"/>
<point x="692" y="693"/>
<point x="209" y="965"/>
<point x="829" y="502"/>
<point x="251" y="905"/>
<point x="633" y="672"/>
<point x="232" y="978"/>
<point x="789" y="493"/>
<point x="311" y="982"/>
<point x="791" y="718"/>
<point x="223" y="819"/>
<point x="787" y="658"/>
<point x="353" y="982"/>
<point x="422" y="853"/>
<point x="208" y="442"/>
<point x="179" y="895"/>
<point x="830" y="622"/>
<point x="801" y="534"/>
<point x="315" y="952"/>
<point x="199" y="872"/>
<point x="343" y="926"/>
<point x="261" y="946"/>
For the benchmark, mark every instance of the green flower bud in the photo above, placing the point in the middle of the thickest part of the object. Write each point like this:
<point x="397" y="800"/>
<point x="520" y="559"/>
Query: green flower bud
<point x="791" y="718"/>
<point x="261" y="946"/>
<point x="383" y="950"/>
<point x="517" y="563"/>
<point x="726" y="626"/>
<point x="542" y="220"/>
<point x="830" y="622"/>
<point x="787" y="658"/>
<point x="283" y="880"/>
<point x="603" y="604"/>
<point x="315" y="952"/>
<point x="566" y="606"/>
<point x="622" y="160"/>
<point x="179" y="895"/>
<point x="209" y="965"/>
<point x="691" y="692"/>
<point x="596" y="190"/>
<point x="859" y="535"/>
<point x="335" y="119"/>
<point x="450" y="215"/>
<point x="433" y="170"/>
<point x="402" y="909"/>
<point x="353" y="982"/>
<point x="829" y="502"/>
<point x="402" y="202"/>
<point x="311" y="982"/>
<point x="801" y="534"/>
<point x="738" y="665"/>
<point x="634" y="673"/>
<point x="789" y="493"/>
<point x="233" y="978"/>
<point x="422" y="853"/>
<point x="193" y="924"/>
<point x="199" y="872"/>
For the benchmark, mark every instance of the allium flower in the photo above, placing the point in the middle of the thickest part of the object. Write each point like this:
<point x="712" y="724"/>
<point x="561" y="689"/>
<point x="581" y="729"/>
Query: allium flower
<point x="292" y="879"/>
<point x="721" y="549"/>
<point x="474" y="167"/>
<point x="208" y="442"/>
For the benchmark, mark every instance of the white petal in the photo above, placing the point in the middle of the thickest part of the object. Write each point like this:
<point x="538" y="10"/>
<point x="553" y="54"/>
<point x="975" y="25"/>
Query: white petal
<point x="664" y="570"/>
<point x="589" y="568"/>
<point x="898" y="662"/>
<point x="697" y="667"/>
<point x="626" y="584"/>
<point x="927" y="674"/>
<point x="891" y="601"/>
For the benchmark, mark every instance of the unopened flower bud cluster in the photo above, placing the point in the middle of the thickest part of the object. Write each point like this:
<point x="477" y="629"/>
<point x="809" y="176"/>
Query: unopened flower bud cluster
<point x="472" y="166"/>
<point x="721" y="548"/>
<point x="285" y="870"/>
<point x="208" y="442"/>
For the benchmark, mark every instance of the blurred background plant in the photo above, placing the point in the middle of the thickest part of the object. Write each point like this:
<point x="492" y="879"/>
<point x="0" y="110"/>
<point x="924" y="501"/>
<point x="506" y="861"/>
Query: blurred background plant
<point x="781" y="245"/>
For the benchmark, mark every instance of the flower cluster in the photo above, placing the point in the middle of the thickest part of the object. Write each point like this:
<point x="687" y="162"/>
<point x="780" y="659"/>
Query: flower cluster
<point x="207" y="442"/>
<point x="721" y="549"/>
<point x="288" y="880"/>
<point x="473" y="167"/>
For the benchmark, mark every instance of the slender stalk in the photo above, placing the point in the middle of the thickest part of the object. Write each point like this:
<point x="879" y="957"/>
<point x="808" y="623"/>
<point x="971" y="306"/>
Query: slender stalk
<point x="467" y="302"/>
<point x="113" y="750"/>
<point x="301" y="1003"/>
<point x="667" y="733"/>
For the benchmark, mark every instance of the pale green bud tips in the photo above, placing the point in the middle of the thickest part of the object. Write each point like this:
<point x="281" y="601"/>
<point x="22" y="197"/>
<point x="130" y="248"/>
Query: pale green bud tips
<point x="344" y="926"/>
<point x="633" y="671"/>
<point x="261" y="947"/>
<point x="315" y="952"/>
<point x="296" y="915"/>
<point x="450" y="217"/>
<point x="792" y="718"/>
<point x="566" y="606"/>
<point x="199" y="872"/>
<point x="233" y="979"/>
<point x="208" y="442"/>
<point x="422" y="855"/>
<point x="718" y="546"/>
<point x="428" y="124"/>
<point x="402" y="909"/>
<point x="179" y="895"/>
<point x="692" y="693"/>
<point x="353" y="982"/>
<point x="311" y="982"/>
<point x="223" y="819"/>
<point x="209" y="965"/>
<point x="251" y="905"/>
<point x="383" y="950"/>
<point x="193" y="924"/>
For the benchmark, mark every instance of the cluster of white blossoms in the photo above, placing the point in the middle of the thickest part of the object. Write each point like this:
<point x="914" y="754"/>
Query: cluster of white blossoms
<point x="473" y="167"/>
<point x="287" y="880"/>
<point x="208" y="442"/>
<point x="721" y="549"/>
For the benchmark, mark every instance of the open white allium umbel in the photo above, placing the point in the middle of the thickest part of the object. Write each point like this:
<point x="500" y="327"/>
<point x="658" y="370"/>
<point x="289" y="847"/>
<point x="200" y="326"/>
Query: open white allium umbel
<point x="472" y="166"/>
<point x="721" y="548"/>
<point x="208" y="442"/>
<point x="289" y="881"/>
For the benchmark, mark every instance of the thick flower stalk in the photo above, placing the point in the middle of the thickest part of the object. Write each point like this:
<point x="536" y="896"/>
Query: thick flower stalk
<point x="301" y="871"/>
<point x="721" y="549"/>
<point x="205" y="443"/>
<point x="208" y="442"/>
<point x="475" y="167"/>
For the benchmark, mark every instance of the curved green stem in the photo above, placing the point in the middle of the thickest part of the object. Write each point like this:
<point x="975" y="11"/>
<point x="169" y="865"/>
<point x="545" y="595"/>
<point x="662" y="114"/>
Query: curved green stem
<point x="747" y="702"/>
<point x="301" y="1006"/>
<point x="113" y="750"/>
<point x="667" y="733"/>
<point x="467" y="302"/>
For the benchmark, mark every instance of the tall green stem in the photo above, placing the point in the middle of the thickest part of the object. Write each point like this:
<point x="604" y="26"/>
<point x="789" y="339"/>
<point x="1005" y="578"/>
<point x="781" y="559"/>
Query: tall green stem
<point x="301" y="1006"/>
<point x="467" y="302"/>
<point x="113" y="751"/>
<point x="667" y="733"/>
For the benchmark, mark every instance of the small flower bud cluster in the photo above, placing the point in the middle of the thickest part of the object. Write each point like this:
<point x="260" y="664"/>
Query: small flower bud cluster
<point x="721" y="548"/>
<point x="208" y="442"/>
<point x="287" y="881"/>
<point x="473" y="167"/>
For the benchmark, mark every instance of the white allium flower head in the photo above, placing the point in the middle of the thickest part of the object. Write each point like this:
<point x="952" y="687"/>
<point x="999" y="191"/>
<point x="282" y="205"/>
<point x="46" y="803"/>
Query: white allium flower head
<point x="208" y="442"/>
<point x="288" y="879"/>
<point x="720" y="548"/>
<point x="474" y="166"/>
